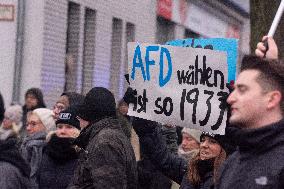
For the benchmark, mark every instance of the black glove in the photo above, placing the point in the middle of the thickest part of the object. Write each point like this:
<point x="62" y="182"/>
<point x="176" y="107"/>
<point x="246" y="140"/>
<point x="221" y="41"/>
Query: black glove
<point x="130" y="96"/>
<point x="143" y="127"/>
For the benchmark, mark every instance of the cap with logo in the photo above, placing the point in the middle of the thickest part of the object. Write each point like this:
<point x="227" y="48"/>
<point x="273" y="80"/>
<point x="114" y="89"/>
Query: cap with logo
<point x="68" y="116"/>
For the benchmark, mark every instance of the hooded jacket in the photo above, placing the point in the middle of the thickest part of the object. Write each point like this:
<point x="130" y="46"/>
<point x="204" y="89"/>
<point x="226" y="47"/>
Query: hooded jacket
<point x="107" y="159"/>
<point x="258" y="162"/>
<point x="58" y="163"/>
<point x="14" y="171"/>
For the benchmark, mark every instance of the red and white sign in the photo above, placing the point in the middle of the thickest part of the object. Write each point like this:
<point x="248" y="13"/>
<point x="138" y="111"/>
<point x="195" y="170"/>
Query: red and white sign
<point x="196" y="18"/>
<point x="164" y="9"/>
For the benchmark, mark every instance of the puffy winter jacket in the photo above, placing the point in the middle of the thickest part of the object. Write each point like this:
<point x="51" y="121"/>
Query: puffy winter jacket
<point x="107" y="159"/>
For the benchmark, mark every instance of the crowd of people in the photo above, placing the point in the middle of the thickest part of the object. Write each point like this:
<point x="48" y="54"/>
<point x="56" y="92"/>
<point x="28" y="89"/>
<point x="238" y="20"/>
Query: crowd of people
<point x="89" y="142"/>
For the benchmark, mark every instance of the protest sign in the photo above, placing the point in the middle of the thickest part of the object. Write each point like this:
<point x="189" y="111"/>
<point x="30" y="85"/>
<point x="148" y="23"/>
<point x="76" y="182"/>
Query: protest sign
<point x="229" y="45"/>
<point x="179" y="86"/>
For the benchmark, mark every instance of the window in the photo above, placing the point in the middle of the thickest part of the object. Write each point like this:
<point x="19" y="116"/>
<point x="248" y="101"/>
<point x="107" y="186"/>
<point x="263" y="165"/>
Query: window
<point x="72" y="46"/>
<point x="165" y="30"/>
<point x="89" y="50"/>
<point x="116" y="44"/>
<point x="129" y="37"/>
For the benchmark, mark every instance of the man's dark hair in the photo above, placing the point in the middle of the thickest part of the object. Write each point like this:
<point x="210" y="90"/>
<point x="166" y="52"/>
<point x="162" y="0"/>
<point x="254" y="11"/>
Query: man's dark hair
<point x="271" y="75"/>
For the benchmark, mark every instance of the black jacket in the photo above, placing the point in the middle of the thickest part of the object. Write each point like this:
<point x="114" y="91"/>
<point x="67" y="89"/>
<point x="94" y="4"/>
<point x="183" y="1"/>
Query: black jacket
<point x="149" y="177"/>
<point x="107" y="159"/>
<point x="14" y="170"/>
<point x="155" y="148"/>
<point x="58" y="164"/>
<point x="207" y="182"/>
<point x="170" y="164"/>
<point x="258" y="162"/>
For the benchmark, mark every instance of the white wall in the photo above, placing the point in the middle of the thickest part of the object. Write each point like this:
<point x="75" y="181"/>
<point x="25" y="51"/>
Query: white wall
<point x="7" y="54"/>
<point x="140" y="13"/>
<point x="33" y="46"/>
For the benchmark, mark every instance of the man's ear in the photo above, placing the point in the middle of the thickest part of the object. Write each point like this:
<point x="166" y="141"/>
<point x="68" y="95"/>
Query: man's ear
<point x="274" y="99"/>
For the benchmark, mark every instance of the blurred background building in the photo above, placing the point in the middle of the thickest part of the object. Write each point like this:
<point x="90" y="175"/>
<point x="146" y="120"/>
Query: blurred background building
<point x="72" y="45"/>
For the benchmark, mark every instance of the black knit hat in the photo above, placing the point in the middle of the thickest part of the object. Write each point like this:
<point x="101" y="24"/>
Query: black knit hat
<point x="225" y="142"/>
<point x="98" y="104"/>
<point x="68" y="116"/>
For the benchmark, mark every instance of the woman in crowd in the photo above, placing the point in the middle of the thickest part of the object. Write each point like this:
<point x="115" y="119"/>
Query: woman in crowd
<point x="39" y="122"/>
<point x="14" y="170"/>
<point x="66" y="100"/>
<point x="12" y="122"/>
<point x="199" y="173"/>
<point x="59" y="155"/>
<point x="33" y="100"/>
<point x="189" y="146"/>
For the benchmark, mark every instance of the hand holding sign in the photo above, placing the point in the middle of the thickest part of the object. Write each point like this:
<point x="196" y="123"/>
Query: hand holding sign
<point x="262" y="51"/>
<point x="129" y="96"/>
<point x="179" y="86"/>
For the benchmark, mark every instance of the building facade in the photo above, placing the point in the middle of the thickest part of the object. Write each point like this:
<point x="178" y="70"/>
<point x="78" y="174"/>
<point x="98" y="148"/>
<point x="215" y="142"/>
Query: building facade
<point x="73" y="45"/>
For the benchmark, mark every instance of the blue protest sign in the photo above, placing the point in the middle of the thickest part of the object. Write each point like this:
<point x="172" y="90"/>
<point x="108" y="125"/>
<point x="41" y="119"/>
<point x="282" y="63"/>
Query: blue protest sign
<point x="228" y="45"/>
